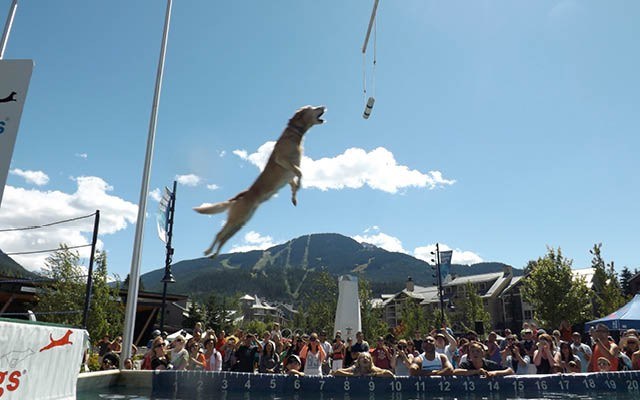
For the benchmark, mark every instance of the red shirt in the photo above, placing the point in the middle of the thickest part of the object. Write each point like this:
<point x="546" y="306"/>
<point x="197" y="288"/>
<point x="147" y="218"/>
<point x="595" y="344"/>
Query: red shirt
<point x="380" y="358"/>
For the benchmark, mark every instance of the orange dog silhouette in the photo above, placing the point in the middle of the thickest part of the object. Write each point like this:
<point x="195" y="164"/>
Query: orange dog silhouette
<point x="59" y="342"/>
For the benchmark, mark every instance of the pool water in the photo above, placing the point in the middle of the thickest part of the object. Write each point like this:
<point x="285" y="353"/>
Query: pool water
<point x="122" y="393"/>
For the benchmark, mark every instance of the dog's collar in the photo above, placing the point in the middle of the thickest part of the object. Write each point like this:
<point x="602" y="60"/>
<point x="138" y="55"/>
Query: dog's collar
<point x="296" y="129"/>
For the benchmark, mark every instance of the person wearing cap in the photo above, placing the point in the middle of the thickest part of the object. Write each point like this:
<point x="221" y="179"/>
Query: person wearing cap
<point x="629" y="345"/>
<point x="445" y="343"/>
<point x="381" y="355"/>
<point x="179" y="355"/>
<point x="604" y="347"/>
<point x="154" y="335"/>
<point x="246" y="354"/>
<point x="581" y="350"/>
<point x="293" y="365"/>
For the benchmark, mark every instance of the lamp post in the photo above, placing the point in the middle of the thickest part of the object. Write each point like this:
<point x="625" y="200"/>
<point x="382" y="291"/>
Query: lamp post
<point x="168" y="276"/>
<point x="436" y="261"/>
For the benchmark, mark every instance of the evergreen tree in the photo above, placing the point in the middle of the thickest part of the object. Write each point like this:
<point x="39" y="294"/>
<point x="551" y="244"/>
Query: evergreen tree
<point x="625" y="282"/>
<point x="218" y="313"/>
<point x="196" y="313"/>
<point x="554" y="293"/>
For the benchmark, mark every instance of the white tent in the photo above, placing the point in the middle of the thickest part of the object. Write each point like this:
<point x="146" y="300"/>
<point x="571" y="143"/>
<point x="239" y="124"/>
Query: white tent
<point x="175" y="334"/>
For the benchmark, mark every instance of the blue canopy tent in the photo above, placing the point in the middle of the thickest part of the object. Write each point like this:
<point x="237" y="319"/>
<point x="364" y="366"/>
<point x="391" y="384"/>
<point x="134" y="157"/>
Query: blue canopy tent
<point x="627" y="317"/>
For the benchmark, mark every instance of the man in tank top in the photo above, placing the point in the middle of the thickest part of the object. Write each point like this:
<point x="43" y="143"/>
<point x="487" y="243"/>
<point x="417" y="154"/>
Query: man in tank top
<point x="430" y="362"/>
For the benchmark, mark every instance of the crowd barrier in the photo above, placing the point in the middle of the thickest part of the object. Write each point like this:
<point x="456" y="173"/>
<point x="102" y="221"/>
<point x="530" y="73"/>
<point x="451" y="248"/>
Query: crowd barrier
<point x="195" y="384"/>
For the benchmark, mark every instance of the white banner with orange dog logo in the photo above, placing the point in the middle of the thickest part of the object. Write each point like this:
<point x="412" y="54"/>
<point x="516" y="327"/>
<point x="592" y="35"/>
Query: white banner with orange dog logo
<point x="39" y="361"/>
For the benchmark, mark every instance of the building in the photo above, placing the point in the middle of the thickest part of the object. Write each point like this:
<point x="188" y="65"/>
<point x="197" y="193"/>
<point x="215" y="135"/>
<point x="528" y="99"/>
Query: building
<point x="488" y="286"/>
<point x="256" y="309"/>
<point x="500" y="293"/>
<point x="17" y="297"/>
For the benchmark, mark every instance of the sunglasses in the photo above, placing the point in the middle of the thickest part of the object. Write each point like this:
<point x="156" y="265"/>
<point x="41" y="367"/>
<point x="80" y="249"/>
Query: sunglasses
<point x="603" y="364"/>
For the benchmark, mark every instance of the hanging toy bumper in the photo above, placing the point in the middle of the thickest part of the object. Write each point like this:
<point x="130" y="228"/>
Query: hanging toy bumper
<point x="368" y="108"/>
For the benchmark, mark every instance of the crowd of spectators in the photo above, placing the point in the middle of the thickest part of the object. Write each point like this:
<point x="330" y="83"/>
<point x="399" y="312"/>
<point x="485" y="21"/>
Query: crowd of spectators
<point x="438" y="352"/>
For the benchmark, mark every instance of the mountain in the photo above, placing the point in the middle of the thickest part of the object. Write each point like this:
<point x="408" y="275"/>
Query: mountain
<point x="11" y="269"/>
<point x="283" y="272"/>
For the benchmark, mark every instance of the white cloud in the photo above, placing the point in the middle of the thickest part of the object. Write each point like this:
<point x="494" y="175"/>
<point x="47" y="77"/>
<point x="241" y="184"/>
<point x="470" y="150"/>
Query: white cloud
<point x="82" y="155"/>
<point x="253" y="241"/>
<point x="24" y="208"/>
<point x="381" y="240"/>
<point x="464" y="257"/>
<point x="156" y="194"/>
<point x="222" y="153"/>
<point x="38" y="178"/>
<point x="213" y="186"/>
<point x="354" y="169"/>
<point x="188" y="180"/>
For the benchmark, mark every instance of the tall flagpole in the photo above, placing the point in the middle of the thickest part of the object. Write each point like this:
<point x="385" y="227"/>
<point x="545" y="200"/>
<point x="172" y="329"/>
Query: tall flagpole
<point x="134" y="275"/>
<point x="7" y="27"/>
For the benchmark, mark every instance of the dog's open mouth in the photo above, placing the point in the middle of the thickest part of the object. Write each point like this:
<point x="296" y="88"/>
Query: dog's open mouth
<point x="319" y="117"/>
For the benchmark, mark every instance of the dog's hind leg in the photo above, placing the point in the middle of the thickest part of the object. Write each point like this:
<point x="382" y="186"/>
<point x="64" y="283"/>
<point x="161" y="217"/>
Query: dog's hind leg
<point x="294" y="190"/>
<point x="240" y="212"/>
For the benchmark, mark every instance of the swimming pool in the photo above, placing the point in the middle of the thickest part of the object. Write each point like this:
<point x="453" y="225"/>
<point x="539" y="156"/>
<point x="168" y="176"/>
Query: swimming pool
<point x="235" y="386"/>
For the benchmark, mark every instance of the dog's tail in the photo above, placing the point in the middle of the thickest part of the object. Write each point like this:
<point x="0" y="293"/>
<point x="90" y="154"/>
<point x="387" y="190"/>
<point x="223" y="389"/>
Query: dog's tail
<point x="208" y="208"/>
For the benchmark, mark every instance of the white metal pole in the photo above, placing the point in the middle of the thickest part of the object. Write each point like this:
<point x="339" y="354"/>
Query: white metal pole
<point x="373" y="18"/>
<point x="134" y="275"/>
<point x="7" y="27"/>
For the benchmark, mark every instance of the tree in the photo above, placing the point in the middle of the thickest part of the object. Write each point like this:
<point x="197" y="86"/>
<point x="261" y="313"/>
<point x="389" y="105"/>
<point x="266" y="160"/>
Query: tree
<point x="62" y="301"/>
<point x="625" y="282"/>
<point x="195" y="314"/>
<point x="554" y="293"/>
<point x="414" y="317"/>
<point x="106" y="315"/>
<point x="218" y="313"/>
<point x="605" y="285"/>
<point x="469" y="309"/>
<point x="319" y="303"/>
<point x="373" y="324"/>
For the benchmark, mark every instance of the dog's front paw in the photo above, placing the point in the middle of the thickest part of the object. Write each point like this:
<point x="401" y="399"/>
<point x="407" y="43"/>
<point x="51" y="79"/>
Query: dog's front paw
<point x="294" y="201"/>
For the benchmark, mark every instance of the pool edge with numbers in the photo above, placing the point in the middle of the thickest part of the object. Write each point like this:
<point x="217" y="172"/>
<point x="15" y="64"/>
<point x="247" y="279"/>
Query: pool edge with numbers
<point x="197" y="384"/>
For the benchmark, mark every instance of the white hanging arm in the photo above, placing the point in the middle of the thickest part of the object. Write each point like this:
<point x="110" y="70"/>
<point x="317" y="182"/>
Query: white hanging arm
<point x="371" y="20"/>
<point x="371" y="100"/>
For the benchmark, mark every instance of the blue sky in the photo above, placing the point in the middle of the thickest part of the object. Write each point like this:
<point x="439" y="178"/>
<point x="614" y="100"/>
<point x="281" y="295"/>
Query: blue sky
<point x="499" y="127"/>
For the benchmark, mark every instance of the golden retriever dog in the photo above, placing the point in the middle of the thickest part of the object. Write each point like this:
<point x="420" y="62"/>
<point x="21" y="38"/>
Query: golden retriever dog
<point x="283" y="167"/>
